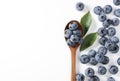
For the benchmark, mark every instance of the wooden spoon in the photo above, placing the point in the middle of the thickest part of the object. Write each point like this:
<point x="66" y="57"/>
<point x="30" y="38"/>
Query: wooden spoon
<point x="73" y="52"/>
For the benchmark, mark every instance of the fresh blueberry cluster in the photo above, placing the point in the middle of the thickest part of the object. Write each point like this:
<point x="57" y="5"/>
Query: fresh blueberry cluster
<point x="73" y="34"/>
<point x="108" y="41"/>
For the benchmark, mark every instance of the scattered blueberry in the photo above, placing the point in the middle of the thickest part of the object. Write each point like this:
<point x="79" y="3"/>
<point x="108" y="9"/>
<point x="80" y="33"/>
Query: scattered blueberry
<point x="73" y="26"/>
<point x="108" y="44"/>
<point x="105" y="60"/>
<point x="84" y="59"/>
<point x="116" y="2"/>
<point x="102" y="50"/>
<point x="98" y="10"/>
<point x="107" y="23"/>
<point x="102" y="32"/>
<point x="115" y="22"/>
<point x="93" y="61"/>
<point x="70" y="43"/>
<point x="117" y="12"/>
<point x="68" y="33"/>
<point x="92" y="53"/>
<point x="110" y="79"/>
<point x="99" y="58"/>
<point x="102" y="70"/>
<point x="113" y="69"/>
<point x="111" y="31"/>
<point x="113" y="48"/>
<point x="103" y="40"/>
<point x="89" y="72"/>
<point x="80" y="77"/>
<point x="102" y="17"/>
<point x="79" y="6"/>
<point x="94" y="78"/>
<point x="107" y="9"/>
<point x="114" y="39"/>
<point x="118" y="61"/>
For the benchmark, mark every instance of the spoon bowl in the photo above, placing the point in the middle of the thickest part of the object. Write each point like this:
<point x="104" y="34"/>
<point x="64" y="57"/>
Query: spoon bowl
<point x="73" y="51"/>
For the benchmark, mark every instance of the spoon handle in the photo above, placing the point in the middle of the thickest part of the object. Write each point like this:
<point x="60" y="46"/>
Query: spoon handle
<point x="73" y="61"/>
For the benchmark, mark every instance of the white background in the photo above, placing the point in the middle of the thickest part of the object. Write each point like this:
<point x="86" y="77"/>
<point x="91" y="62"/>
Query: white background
<point x="32" y="45"/>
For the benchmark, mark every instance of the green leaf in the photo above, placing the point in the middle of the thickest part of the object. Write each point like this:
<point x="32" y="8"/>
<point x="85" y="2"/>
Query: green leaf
<point x="86" y="21"/>
<point x="88" y="41"/>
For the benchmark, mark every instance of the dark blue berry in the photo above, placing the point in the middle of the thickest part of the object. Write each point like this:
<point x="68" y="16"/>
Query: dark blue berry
<point x="89" y="72"/>
<point x="79" y="6"/>
<point x="98" y="10"/>
<point x="107" y="9"/>
<point x="84" y="59"/>
<point x="118" y="61"/>
<point x="103" y="40"/>
<point x="117" y="12"/>
<point x="102" y="50"/>
<point x="99" y="58"/>
<point x="93" y="61"/>
<point x="110" y="79"/>
<point x="80" y="77"/>
<point x="94" y="78"/>
<point x="111" y="31"/>
<point x="105" y="60"/>
<point x="92" y="53"/>
<point x="102" y="70"/>
<point x="113" y="69"/>
<point x="116" y="2"/>
<point x="102" y="17"/>
<point x="107" y="23"/>
<point x="102" y="32"/>
<point x="115" y="22"/>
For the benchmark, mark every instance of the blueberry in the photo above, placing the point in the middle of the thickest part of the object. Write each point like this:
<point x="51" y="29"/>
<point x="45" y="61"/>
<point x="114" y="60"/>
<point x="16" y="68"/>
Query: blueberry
<point x="102" y="32"/>
<point x="84" y="59"/>
<point x="74" y="38"/>
<point x="118" y="61"/>
<point x="98" y="10"/>
<point x="93" y="61"/>
<point x="108" y="44"/>
<point x="70" y="43"/>
<point x="80" y="77"/>
<point x="110" y="79"/>
<point x="107" y="9"/>
<point x="117" y="12"/>
<point x="102" y="50"/>
<point x="113" y="69"/>
<point x="102" y="70"/>
<point x="111" y="31"/>
<point x="80" y="40"/>
<point x="105" y="60"/>
<point x="89" y="72"/>
<point x="113" y="48"/>
<point x="99" y="58"/>
<point x="68" y="33"/>
<point x="114" y="39"/>
<point x="73" y="26"/>
<point x="77" y="32"/>
<point x="79" y="6"/>
<point x="116" y="2"/>
<point x="103" y="40"/>
<point x="94" y="78"/>
<point x="107" y="23"/>
<point x="92" y="53"/>
<point x="115" y="22"/>
<point x="102" y="17"/>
